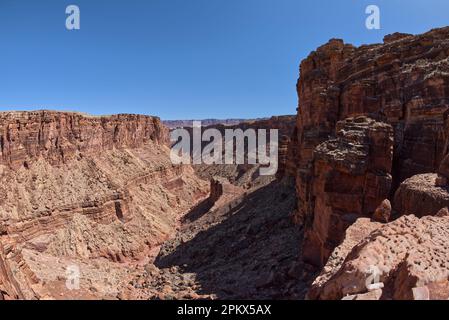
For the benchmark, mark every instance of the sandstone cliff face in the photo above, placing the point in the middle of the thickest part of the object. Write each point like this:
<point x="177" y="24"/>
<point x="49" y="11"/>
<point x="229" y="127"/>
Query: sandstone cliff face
<point x="352" y="175"/>
<point x="403" y="82"/>
<point x="97" y="193"/>
<point x="58" y="137"/>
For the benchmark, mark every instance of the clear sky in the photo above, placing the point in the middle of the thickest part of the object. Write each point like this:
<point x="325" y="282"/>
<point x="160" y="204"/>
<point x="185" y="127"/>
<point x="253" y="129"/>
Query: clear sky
<point x="181" y="59"/>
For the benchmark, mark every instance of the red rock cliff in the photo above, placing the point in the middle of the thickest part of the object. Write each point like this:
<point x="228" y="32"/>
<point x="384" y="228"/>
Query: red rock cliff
<point x="109" y="180"/>
<point x="58" y="136"/>
<point x="403" y="82"/>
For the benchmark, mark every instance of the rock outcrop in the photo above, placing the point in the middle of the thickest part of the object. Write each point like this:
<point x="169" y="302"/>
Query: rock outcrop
<point x="421" y="195"/>
<point x="404" y="260"/>
<point x="351" y="176"/>
<point x="383" y="212"/>
<point x="222" y="191"/>
<point x="403" y="82"/>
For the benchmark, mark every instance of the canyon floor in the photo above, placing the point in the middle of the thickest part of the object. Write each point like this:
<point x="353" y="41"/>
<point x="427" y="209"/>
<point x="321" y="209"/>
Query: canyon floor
<point x="243" y="247"/>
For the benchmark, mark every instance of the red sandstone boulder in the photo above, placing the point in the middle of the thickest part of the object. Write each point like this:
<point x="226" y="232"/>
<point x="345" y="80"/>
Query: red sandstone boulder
<point x="383" y="212"/>
<point x="420" y="195"/>
<point x="406" y="259"/>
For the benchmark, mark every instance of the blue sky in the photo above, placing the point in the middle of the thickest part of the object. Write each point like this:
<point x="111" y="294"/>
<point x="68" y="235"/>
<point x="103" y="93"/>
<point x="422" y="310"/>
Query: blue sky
<point x="181" y="59"/>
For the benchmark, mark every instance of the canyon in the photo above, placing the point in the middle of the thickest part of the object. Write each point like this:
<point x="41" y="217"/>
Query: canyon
<point x="357" y="210"/>
<point x="100" y="195"/>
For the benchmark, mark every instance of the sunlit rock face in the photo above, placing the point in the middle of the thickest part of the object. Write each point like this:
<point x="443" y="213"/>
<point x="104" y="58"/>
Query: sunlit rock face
<point x="352" y="175"/>
<point x="403" y="82"/>
<point x="97" y="193"/>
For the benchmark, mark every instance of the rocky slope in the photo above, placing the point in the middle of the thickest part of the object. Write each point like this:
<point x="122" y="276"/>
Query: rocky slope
<point x="243" y="247"/>
<point x="97" y="193"/>
<point x="403" y="260"/>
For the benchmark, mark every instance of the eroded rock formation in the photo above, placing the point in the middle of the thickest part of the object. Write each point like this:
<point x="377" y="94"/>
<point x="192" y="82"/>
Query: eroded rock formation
<point x="100" y="194"/>
<point x="421" y="195"/>
<point x="351" y="178"/>
<point x="406" y="259"/>
<point x="247" y="175"/>
<point x="403" y="82"/>
<point x="58" y="137"/>
<point x="221" y="190"/>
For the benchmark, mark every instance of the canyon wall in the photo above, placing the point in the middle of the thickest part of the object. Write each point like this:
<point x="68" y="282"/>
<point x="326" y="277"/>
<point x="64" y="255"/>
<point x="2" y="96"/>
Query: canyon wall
<point x="403" y="82"/>
<point x="247" y="175"/>
<point x="352" y="176"/>
<point x="98" y="193"/>
<point x="24" y="136"/>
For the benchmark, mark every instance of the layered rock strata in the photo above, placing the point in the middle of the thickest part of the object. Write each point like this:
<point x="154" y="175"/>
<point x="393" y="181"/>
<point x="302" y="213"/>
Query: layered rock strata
<point x="247" y="175"/>
<point x="58" y="137"/>
<point x="98" y="194"/>
<point x="403" y="82"/>
<point x="352" y="175"/>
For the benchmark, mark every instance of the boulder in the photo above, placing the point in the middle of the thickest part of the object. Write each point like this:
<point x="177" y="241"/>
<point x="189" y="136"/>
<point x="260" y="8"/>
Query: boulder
<point x="410" y="255"/>
<point x="420" y="195"/>
<point x="383" y="212"/>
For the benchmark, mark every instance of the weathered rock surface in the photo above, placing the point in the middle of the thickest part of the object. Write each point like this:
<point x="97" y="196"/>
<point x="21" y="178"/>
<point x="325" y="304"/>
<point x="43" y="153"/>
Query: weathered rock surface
<point x="97" y="193"/>
<point x="383" y="212"/>
<point x="407" y="259"/>
<point x="403" y="82"/>
<point x="420" y="195"/>
<point x="353" y="236"/>
<point x="351" y="178"/>
<point x="59" y="137"/>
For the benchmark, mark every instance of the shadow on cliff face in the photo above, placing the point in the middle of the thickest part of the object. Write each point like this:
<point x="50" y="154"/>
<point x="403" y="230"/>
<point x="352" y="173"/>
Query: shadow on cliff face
<point x="251" y="251"/>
